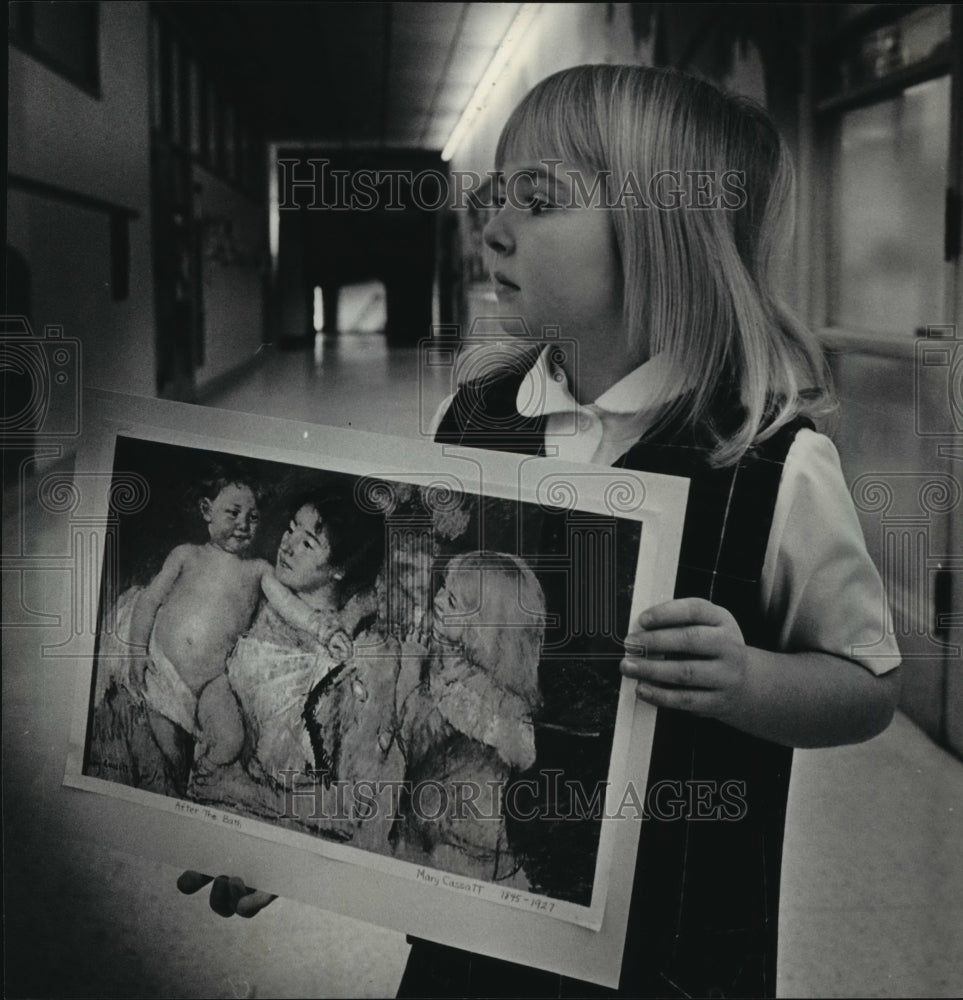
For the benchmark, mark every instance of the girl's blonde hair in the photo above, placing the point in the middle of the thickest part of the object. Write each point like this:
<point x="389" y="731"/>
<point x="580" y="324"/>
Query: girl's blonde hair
<point x="697" y="280"/>
<point x="506" y="640"/>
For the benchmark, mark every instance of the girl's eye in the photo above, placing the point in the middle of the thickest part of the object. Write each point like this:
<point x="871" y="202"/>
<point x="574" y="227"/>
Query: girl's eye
<point x="537" y="203"/>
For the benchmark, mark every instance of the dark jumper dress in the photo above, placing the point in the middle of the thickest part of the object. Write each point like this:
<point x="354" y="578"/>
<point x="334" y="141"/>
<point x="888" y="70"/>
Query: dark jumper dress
<point x="703" y="919"/>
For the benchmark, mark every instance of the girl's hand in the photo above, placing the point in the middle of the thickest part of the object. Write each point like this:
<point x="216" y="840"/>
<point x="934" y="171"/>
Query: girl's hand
<point x="688" y="654"/>
<point x="229" y="896"/>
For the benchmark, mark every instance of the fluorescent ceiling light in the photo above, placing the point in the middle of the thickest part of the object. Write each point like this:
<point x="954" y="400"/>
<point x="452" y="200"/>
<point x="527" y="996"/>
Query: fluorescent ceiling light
<point x="500" y="59"/>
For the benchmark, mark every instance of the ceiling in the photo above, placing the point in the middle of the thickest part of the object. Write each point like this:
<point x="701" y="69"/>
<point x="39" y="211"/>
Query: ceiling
<point x="366" y="75"/>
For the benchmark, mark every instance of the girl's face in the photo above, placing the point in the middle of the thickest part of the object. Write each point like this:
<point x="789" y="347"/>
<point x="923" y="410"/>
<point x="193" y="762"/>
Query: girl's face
<point x="232" y="518"/>
<point x="457" y="599"/>
<point x="556" y="259"/>
<point x="304" y="553"/>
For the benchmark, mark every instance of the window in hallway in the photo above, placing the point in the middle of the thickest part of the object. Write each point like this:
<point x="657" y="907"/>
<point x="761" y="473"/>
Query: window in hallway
<point x="891" y="178"/>
<point x="884" y="118"/>
<point x="361" y="307"/>
<point x="317" y="318"/>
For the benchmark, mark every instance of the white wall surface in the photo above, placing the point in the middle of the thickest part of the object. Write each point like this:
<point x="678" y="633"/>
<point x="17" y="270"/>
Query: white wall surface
<point x="61" y="135"/>
<point x="232" y="275"/>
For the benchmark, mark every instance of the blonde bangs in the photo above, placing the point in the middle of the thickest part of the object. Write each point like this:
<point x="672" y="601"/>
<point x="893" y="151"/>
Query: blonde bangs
<point x="555" y="120"/>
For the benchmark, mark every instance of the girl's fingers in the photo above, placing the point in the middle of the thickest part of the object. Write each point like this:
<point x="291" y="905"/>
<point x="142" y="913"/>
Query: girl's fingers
<point x="252" y="904"/>
<point x="684" y="699"/>
<point x="698" y="674"/>
<point x="228" y="895"/>
<point x="683" y="611"/>
<point x="225" y="893"/>
<point x="190" y="881"/>
<point x="690" y="640"/>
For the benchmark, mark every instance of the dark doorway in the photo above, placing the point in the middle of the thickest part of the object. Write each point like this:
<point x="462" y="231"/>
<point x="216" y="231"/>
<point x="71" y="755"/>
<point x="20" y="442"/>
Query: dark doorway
<point x="357" y="216"/>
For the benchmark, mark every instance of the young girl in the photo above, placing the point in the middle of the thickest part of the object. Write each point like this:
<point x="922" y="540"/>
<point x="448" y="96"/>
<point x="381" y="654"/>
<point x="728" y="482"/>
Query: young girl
<point x="642" y="216"/>
<point x="465" y="715"/>
<point x="642" y="211"/>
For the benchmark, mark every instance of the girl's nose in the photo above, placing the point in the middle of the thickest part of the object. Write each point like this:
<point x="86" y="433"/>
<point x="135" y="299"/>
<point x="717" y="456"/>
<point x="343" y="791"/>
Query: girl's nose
<point x="497" y="234"/>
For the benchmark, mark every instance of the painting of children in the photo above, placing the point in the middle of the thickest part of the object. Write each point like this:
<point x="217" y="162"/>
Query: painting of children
<point x="375" y="664"/>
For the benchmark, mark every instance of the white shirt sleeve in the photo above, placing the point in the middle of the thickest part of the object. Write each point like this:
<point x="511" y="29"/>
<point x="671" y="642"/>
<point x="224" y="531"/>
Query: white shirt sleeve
<point x="818" y="580"/>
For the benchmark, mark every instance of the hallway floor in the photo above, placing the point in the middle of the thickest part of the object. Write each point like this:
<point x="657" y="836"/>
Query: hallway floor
<point x="873" y="867"/>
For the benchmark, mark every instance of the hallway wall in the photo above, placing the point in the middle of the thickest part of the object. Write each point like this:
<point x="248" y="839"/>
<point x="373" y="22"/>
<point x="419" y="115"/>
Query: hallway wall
<point x="233" y="263"/>
<point x="99" y="147"/>
<point x="60" y="135"/>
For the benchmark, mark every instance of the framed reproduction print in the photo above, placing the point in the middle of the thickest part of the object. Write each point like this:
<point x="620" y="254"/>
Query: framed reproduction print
<point x="375" y="674"/>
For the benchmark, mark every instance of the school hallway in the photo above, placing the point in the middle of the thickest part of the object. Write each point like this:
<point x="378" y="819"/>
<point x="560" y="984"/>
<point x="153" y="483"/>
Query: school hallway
<point x="872" y="899"/>
<point x="188" y="182"/>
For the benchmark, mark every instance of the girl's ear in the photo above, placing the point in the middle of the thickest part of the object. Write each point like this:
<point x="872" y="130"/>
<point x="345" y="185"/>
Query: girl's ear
<point x="205" y="506"/>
